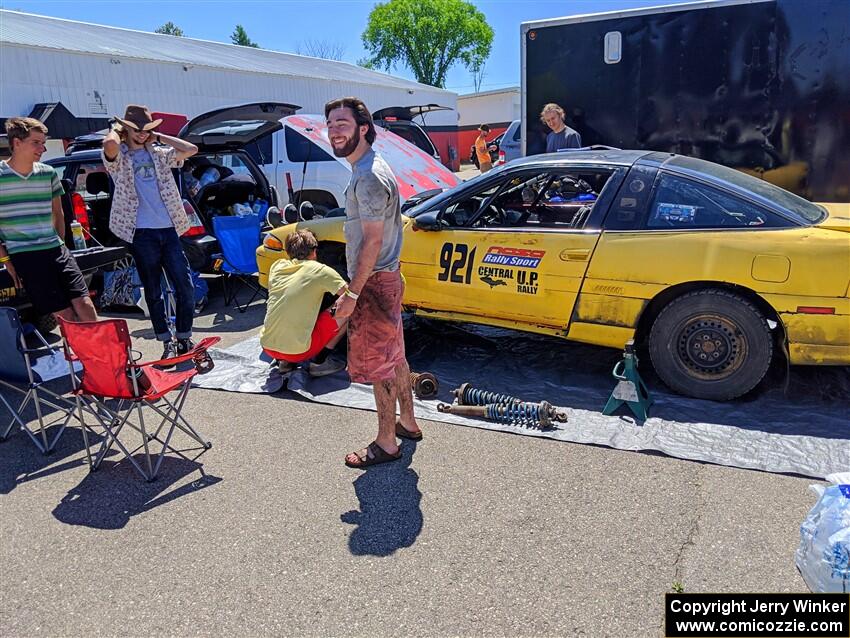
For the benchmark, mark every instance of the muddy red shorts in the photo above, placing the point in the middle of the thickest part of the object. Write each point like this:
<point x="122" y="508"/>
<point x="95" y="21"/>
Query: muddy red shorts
<point x="375" y="333"/>
<point x="324" y="330"/>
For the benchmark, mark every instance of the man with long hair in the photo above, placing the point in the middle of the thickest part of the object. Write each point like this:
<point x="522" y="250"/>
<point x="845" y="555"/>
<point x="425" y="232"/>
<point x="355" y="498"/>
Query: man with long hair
<point x="147" y="212"/>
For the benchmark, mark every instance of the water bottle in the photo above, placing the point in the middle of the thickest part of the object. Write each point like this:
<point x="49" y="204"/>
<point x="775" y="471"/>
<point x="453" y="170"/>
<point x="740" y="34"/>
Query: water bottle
<point x="142" y="381"/>
<point x="210" y="176"/>
<point x="77" y="234"/>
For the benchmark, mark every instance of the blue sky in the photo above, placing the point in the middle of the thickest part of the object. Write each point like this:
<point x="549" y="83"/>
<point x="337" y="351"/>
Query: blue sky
<point x="282" y="24"/>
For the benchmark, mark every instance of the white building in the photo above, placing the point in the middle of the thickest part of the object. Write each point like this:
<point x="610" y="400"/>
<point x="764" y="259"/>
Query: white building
<point x="94" y="71"/>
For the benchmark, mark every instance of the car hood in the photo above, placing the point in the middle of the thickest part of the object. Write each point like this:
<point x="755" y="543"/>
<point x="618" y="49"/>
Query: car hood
<point x="839" y="217"/>
<point x="415" y="171"/>
<point x="235" y="126"/>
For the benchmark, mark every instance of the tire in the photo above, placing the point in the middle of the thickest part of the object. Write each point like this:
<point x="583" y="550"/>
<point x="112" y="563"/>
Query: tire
<point x="710" y="344"/>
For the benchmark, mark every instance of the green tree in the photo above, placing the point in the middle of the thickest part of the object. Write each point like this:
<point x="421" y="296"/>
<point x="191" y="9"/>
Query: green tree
<point x="169" y="28"/>
<point x="240" y="37"/>
<point x="427" y="36"/>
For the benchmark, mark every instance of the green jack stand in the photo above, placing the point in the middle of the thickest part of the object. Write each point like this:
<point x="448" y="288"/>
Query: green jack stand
<point x="630" y="388"/>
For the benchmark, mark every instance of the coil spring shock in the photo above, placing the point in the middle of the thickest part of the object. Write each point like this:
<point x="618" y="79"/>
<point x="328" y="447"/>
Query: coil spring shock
<point x="524" y="414"/>
<point x="467" y="395"/>
<point x="424" y="384"/>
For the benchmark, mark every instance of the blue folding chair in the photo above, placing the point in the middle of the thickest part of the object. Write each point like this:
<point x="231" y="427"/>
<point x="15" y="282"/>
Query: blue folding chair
<point x="238" y="237"/>
<point x="25" y="370"/>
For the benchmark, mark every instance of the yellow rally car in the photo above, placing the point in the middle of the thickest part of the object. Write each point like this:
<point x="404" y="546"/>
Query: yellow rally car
<point x="718" y="272"/>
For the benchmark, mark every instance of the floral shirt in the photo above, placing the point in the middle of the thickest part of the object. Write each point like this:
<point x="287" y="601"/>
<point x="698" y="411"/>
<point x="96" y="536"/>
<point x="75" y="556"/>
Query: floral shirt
<point x="125" y="199"/>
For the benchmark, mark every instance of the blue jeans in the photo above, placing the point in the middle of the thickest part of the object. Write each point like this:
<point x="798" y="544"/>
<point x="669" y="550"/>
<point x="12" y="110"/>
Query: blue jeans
<point x="156" y="250"/>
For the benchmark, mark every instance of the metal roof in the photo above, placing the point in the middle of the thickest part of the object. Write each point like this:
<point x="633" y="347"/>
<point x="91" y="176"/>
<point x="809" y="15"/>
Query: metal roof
<point x="682" y="5"/>
<point x="508" y="89"/>
<point x="43" y="32"/>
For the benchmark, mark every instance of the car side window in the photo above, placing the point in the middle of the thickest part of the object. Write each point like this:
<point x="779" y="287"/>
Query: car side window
<point x="91" y="187"/>
<point x="413" y="135"/>
<point x="682" y="203"/>
<point x="460" y="214"/>
<point x="301" y="149"/>
<point x="517" y="134"/>
<point x="260" y="150"/>
<point x="559" y="199"/>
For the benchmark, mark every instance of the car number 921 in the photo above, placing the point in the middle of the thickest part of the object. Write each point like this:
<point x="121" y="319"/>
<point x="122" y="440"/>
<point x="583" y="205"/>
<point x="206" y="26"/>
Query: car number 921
<point x="456" y="261"/>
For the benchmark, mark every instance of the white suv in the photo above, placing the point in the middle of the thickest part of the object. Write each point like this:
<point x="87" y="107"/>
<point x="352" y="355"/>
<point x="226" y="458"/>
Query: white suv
<point x="298" y="160"/>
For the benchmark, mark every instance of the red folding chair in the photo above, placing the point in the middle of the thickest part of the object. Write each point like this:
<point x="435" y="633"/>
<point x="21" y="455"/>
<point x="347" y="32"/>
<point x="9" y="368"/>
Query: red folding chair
<point x="113" y="386"/>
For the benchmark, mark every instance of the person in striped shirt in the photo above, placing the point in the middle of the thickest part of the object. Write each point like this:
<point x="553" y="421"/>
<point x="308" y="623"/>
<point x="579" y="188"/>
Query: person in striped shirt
<point x="32" y="228"/>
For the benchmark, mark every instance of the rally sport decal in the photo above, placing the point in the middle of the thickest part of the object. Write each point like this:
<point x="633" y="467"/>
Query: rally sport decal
<point x="500" y="267"/>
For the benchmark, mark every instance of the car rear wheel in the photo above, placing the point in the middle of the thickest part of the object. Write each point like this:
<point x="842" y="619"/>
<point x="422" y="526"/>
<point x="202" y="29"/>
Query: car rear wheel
<point x="710" y="344"/>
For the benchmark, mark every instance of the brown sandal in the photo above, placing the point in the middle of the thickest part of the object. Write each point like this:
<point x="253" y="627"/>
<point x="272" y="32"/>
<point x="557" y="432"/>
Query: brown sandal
<point x="404" y="433"/>
<point x="375" y="454"/>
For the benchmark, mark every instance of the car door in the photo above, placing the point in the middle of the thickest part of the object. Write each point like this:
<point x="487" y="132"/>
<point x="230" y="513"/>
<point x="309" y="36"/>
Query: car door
<point x="512" y="141"/>
<point x="514" y="248"/>
<point x="667" y="229"/>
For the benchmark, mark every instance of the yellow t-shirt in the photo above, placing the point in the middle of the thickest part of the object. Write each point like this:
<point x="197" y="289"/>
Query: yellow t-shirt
<point x="481" y="150"/>
<point x="296" y="289"/>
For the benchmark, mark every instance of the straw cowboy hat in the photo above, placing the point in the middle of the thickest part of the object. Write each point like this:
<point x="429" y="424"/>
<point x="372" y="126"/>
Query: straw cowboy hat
<point x="138" y="118"/>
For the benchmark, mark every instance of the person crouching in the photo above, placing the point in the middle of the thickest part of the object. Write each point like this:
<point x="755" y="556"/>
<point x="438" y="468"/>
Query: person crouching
<point x="296" y="329"/>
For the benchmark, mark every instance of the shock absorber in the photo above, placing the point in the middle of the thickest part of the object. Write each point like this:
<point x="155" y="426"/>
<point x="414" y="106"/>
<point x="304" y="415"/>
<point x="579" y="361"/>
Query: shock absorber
<point x="467" y="395"/>
<point x="524" y="414"/>
<point x="425" y="385"/>
<point x="521" y="414"/>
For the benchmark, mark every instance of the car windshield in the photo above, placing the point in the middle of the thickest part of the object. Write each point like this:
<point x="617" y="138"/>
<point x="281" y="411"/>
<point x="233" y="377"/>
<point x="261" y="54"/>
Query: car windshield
<point x="811" y="213"/>
<point x="438" y="200"/>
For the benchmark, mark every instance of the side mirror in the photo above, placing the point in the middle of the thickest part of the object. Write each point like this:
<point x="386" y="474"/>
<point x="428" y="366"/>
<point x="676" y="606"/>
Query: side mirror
<point x="429" y="220"/>
<point x="290" y="214"/>
<point x="274" y="218"/>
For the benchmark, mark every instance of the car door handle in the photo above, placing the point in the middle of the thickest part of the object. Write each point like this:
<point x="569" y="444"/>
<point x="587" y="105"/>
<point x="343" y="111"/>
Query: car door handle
<point x="575" y="255"/>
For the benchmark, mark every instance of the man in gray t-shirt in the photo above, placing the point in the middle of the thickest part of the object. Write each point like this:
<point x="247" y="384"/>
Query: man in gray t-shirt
<point x="373" y="235"/>
<point x="372" y="194"/>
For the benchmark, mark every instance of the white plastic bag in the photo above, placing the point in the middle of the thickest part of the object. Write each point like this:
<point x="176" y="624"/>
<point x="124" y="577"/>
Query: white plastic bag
<point x="823" y="557"/>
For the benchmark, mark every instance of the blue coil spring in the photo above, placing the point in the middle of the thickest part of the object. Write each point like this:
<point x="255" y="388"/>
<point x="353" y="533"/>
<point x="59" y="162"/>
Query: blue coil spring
<point x="474" y="396"/>
<point x="527" y="414"/>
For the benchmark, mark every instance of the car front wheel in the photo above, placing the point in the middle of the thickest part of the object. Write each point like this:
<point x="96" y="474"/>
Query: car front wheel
<point x="711" y="344"/>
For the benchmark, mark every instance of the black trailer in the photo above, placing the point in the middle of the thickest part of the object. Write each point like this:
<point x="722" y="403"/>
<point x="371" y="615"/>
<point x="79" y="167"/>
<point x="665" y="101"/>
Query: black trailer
<point x="758" y="85"/>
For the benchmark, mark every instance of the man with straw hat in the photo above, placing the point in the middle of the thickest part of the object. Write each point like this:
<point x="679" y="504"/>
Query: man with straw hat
<point x="147" y="212"/>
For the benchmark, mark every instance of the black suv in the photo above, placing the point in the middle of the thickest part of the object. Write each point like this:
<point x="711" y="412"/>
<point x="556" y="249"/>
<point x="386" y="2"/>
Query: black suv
<point x="232" y="177"/>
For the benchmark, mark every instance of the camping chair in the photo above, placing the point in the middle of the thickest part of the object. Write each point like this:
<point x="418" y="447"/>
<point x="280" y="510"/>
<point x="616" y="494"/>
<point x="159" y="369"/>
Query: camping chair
<point x="29" y="368"/>
<point x="238" y="238"/>
<point x="114" y="386"/>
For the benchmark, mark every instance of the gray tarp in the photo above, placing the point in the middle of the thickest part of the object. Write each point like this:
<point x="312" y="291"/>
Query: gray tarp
<point x="804" y="430"/>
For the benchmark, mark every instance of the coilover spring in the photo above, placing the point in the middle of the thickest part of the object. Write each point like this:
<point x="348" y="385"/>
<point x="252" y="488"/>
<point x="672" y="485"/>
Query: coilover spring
<point x="524" y="414"/>
<point x="424" y="384"/>
<point x="467" y="395"/>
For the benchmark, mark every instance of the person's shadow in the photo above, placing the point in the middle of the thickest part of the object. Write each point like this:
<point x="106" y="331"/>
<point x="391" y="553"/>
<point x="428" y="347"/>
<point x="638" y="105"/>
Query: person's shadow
<point x="389" y="516"/>
<point x="109" y="497"/>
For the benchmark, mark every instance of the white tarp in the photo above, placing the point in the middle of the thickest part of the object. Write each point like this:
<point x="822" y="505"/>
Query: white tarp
<point x="803" y="431"/>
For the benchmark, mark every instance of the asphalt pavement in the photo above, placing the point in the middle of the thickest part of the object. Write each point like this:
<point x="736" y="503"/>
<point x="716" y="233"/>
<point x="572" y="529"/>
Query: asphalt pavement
<point x="473" y="533"/>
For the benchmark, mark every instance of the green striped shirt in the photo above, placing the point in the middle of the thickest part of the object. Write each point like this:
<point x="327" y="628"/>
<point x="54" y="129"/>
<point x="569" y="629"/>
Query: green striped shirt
<point x="26" y="208"/>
